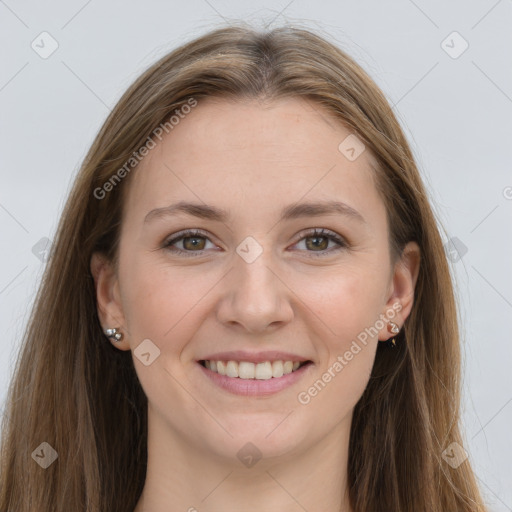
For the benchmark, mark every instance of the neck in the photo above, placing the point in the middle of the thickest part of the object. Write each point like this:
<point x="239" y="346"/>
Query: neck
<point x="183" y="476"/>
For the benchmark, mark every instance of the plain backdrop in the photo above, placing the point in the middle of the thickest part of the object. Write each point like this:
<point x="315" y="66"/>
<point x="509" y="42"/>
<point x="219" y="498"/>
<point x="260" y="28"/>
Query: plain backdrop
<point x="444" y="65"/>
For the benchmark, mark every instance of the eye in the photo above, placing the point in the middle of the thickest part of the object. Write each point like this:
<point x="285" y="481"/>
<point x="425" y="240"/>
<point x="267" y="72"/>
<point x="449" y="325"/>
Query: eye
<point x="319" y="239"/>
<point x="192" y="240"/>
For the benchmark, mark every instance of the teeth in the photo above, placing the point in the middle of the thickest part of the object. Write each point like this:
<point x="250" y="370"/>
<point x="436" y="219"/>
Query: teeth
<point x="221" y="368"/>
<point x="232" y="369"/>
<point x="277" y="369"/>
<point x="263" y="371"/>
<point x="246" y="370"/>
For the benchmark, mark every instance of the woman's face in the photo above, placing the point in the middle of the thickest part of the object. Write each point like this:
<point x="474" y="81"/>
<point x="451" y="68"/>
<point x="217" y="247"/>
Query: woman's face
<point x="255" y="280"/>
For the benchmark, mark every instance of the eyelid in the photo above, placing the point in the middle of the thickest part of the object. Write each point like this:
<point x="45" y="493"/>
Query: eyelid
<point x="319" y="232"/>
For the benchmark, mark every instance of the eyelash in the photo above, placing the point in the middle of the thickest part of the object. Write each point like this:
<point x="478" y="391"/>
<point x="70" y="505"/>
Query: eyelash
<point x="196" y="233"/>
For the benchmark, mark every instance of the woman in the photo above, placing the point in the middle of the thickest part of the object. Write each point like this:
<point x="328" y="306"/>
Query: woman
<point x="247" y="305"/>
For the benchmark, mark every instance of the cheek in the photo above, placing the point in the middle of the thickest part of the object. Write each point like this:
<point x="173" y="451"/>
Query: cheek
<point x="348" y="303"/>
<point x="339" y="386"/>
<point x="346" y="300"/>
<point x="161" y="303"/>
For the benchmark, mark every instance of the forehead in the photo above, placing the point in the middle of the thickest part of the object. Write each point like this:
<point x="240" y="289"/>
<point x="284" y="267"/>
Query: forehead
<point x="241" y="154"/>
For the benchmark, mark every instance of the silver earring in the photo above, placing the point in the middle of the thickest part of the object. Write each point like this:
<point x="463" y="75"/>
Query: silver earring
<point x="114" y="334"/>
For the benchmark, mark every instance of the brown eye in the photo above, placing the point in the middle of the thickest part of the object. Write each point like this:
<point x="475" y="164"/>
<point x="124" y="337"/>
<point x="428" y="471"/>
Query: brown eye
<point x="317" y="242"/>
<point x="193" y="241"/>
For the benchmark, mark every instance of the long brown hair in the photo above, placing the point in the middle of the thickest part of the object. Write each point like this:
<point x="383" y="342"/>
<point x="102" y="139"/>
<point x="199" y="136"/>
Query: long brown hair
<point x="74" y="391"/>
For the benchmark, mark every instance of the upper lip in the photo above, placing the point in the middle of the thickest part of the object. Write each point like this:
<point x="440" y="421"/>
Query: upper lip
<point x="254" y="357"/>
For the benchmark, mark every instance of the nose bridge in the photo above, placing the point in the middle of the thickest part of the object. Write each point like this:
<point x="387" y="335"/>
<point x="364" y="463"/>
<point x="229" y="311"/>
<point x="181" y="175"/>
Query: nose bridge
<point x="255" y="297"/>
<point x="252" y="277"/>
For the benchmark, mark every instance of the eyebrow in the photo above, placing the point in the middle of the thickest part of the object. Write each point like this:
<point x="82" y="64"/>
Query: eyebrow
<point x="293" y="211"/>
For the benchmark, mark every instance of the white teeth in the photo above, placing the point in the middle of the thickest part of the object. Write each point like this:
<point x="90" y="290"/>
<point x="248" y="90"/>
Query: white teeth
<point x="263" y="371"/>
<point x="277" y="369"/>
<point x="232" y="369"/>
<point x="247" y="370"/>
<point x="221" y="368"/>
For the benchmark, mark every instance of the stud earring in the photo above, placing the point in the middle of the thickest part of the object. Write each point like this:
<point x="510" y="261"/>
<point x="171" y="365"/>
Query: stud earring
<point x="114" y="334"/>
<point x="394" y="329"/>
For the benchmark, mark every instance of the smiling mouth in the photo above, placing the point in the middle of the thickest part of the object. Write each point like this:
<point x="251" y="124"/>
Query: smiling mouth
<point x="253" y="371"/>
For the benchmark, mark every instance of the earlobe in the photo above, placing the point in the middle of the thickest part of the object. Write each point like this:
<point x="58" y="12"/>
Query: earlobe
<point x="109" y="308"/>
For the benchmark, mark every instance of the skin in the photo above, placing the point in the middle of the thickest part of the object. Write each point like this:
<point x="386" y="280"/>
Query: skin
<point x="252" y="158"/>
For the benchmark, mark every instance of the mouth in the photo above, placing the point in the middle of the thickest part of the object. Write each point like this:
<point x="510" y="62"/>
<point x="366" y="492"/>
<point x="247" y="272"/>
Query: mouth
<point x="253" y="379"/>
<point x="247" y="370"/>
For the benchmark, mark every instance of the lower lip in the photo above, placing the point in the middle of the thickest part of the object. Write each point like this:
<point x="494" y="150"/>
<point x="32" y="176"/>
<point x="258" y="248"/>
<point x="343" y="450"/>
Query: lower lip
<point x="255" y="387"/>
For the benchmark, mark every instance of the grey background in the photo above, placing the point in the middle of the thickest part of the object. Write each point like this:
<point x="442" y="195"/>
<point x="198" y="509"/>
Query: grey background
<point x="456" y="113"/>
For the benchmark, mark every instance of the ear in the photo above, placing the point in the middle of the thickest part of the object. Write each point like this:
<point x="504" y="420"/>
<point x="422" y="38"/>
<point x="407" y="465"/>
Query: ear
<point x="110" y="311"/>
<point x="402" y="285"/>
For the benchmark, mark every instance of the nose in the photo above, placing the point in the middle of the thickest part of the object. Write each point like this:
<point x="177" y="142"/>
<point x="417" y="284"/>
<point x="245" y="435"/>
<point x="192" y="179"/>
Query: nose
<point x="255" y="297"/>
